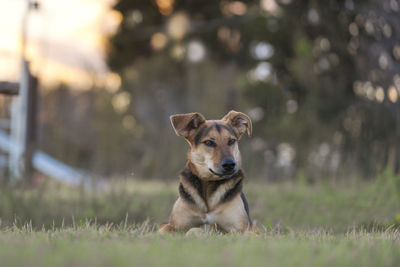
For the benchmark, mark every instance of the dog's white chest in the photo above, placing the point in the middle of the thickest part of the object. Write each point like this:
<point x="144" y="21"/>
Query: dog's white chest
<point x="208" y="218"/>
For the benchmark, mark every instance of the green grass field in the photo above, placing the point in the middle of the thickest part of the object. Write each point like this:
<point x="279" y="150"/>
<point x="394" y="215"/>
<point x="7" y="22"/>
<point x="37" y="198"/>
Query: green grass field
<point x="140" y="246"/>
<point x="349" y="224"/>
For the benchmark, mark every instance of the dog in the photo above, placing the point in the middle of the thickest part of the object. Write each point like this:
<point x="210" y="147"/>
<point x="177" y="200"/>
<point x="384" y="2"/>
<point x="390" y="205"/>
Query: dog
<point x="210" y="188"/>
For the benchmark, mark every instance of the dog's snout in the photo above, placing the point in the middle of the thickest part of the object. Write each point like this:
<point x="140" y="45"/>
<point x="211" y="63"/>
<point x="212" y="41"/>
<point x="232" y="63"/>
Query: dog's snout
<point x="228" y="165"/>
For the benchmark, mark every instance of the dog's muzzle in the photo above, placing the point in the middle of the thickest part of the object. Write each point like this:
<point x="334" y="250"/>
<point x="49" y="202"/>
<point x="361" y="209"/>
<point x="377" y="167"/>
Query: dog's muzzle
<point x="228" y="169"/>
<point x="228" y="166"/>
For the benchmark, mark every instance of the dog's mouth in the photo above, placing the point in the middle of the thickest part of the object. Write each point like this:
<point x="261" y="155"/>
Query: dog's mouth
<point x="224" y="174"/>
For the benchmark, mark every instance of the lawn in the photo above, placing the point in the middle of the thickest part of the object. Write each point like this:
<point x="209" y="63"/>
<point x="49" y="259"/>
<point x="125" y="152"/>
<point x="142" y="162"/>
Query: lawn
<point x="140" y="246"/>
<point x="348" y="224"/>
<point x="294" y="206"/>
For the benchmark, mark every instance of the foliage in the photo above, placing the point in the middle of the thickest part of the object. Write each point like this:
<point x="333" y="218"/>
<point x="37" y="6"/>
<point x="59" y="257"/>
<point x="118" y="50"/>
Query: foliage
<point x="309" y="100"/>
<point x="317" y="89"/>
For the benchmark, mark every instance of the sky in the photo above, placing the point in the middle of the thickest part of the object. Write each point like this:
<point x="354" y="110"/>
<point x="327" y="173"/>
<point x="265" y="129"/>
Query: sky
<point x="66" y="41"/>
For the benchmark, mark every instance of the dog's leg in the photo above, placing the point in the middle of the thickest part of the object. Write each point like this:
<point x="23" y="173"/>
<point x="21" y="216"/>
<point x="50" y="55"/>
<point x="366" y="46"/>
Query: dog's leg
<point x="196" y="231"/>
<point x="232" y="216"/>
<point x="183" y="217"/>
<point x="205" y="230"/>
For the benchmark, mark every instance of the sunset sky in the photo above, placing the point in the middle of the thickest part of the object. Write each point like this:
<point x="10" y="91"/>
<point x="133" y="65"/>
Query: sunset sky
<point x="66" y="41"/>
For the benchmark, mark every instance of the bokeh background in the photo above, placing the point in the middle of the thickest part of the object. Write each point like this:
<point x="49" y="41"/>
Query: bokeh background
<point x="319" y="79"/>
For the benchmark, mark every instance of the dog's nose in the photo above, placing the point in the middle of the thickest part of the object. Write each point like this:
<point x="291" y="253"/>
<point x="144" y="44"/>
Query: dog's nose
<point x="228" y="165"/>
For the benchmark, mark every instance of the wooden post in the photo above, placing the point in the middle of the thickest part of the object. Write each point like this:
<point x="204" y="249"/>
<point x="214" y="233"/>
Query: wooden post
<point x="31" y="123"/>
<point x="9" y="88"/>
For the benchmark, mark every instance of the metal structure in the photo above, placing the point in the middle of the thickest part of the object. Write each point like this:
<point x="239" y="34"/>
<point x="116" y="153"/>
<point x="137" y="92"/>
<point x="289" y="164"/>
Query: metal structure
<point x="46" y="164"/>
<point x="23" y="156"/>
<point x="22" y="131"/>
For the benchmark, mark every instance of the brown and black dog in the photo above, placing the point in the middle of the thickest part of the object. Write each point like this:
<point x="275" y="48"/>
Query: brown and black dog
<point x="210" y="189"/>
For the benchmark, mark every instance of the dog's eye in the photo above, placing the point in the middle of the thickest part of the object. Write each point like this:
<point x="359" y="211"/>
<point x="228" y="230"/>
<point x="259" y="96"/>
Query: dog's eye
<point x="210" y="143"/>
<point x="231" y="142"/>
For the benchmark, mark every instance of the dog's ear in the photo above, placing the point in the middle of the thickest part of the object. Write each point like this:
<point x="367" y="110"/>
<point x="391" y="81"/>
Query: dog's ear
<point x="239" y="121"/>
<point x="187" y="124"/>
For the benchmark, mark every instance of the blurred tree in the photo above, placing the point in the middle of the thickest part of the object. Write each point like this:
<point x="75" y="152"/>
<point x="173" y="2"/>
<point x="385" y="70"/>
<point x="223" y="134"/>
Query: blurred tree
<point x="183" y="54"/>
<point x="79" y="128"/>
<point x="296" y="66"/>
<point x="343" y="50"/>
<point x="375" y="48"/>
<point x="227" y="28"/>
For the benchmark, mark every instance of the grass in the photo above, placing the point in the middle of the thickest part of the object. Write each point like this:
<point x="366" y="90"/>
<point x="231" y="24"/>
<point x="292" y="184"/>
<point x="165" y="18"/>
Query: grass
<point x="127" y="245"/>
<point x="343" y="225"/>
<point x="289" y="206"/>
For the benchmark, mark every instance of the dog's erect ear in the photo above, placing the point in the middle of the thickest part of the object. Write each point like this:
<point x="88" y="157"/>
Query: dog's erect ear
<point x="239" y="121"/>
<point x="187" y="124"/>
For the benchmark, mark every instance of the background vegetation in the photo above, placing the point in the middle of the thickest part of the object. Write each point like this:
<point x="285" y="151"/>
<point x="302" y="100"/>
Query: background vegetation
<point x="319" y="79"/>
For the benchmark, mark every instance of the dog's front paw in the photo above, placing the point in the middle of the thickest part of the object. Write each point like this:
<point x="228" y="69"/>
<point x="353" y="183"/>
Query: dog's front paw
<point x="196" y="231"/>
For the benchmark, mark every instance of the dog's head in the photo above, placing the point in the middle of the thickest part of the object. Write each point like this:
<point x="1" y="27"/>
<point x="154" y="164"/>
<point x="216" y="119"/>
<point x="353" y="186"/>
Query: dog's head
<point x="214" y="150"/>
